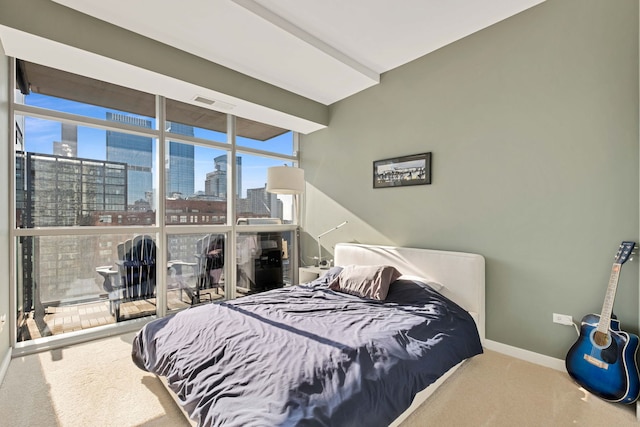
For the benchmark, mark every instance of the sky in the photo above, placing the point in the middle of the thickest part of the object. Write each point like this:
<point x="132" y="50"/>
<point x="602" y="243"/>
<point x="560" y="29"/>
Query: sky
<point x="40" y="134"/>
<point x="400" y="165"/>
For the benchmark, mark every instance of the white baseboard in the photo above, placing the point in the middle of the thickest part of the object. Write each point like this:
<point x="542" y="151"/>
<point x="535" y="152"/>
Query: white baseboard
<point x="529" y="356"/>
<point x="4" y="365"/>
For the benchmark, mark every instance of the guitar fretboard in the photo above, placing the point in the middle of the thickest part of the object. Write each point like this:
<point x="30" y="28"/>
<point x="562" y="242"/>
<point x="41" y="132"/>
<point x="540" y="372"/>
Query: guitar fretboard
<point x="607" y="306"/>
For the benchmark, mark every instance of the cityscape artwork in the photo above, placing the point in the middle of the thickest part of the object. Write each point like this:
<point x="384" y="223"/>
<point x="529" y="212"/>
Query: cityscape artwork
<point x="402" y="171"/>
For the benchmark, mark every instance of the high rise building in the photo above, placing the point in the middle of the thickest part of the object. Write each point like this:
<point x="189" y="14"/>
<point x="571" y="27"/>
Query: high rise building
<point x="68" y="144"/>
<point x="137" y="152"/>
<point x="65" y="192"/>
<point x="216" y="181"/>
<point x="180" y="163"/>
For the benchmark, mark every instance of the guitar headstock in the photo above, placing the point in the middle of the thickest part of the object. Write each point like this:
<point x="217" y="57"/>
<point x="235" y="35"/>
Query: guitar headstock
<point x="625" y="252"/>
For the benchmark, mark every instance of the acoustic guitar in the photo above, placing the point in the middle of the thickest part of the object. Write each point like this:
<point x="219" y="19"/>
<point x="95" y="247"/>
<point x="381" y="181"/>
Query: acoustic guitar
<point x="603" y="359"/>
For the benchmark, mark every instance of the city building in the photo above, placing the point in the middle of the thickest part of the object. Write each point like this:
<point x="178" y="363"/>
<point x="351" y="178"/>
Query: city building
<point x="137" y="152"/>
<point x="68" y="144"/>
<point x="67" y="191"/>
<point x="263" y="204"/>
<point x="216" y="181"/>
<point x="180" y="164"/>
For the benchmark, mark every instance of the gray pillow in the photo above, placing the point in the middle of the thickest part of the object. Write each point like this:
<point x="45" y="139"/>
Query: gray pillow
<point x="366" y="281"/>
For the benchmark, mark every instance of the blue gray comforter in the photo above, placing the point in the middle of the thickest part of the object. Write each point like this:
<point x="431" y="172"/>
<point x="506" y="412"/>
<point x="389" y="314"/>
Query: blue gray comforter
<point x="306" y="355"/>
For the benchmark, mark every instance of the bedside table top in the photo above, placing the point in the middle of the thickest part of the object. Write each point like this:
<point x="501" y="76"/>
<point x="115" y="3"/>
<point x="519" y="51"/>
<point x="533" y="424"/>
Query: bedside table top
<point x="313" y="269"/>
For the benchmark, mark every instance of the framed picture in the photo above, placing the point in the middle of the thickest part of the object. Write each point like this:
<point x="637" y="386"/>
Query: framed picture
<point x="402" y="171"/>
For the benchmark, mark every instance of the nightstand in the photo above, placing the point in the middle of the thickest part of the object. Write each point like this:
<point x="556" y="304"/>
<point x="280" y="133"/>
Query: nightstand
<point x="307" y="274"/>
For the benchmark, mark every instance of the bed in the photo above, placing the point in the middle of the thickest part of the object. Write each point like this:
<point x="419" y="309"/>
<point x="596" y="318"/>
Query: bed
<point x="322" y="353"/>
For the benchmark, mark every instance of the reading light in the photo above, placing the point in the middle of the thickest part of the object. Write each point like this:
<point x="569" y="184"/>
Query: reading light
<point x="325" y="266"/>
<point x="285" y="180"/>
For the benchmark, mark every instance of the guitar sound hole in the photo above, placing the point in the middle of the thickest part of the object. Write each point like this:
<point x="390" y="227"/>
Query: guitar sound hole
<point x="601" y="339"/>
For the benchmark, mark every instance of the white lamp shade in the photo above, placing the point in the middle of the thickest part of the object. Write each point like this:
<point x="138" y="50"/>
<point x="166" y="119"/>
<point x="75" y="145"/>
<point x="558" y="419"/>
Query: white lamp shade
<point x="285" y="180"/>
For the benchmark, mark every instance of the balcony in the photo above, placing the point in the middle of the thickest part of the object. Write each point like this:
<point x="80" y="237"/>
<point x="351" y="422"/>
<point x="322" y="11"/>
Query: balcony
<point x="71" y="316"/>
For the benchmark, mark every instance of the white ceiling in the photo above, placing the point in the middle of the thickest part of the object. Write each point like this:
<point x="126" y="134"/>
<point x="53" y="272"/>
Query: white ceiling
<point x="325" y="50"/>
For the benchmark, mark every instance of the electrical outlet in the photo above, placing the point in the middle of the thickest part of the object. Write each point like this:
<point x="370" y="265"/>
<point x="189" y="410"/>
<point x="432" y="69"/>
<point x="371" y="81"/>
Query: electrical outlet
<point x="562" y="319"/>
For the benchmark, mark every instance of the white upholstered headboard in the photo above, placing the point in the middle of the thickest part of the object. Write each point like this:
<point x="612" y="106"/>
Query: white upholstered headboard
<point x="461" y="273"/>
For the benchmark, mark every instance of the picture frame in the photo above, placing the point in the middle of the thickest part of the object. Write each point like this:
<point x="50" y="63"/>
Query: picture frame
<point x="402" y="171"/>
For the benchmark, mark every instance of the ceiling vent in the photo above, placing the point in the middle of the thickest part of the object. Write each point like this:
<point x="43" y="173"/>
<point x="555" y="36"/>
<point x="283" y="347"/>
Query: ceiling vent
<point x="204" y="100"/>
<point x="218" y="104"/>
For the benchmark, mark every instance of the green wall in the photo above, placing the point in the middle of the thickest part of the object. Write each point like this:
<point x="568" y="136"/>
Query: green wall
<point x="533" y="126"/>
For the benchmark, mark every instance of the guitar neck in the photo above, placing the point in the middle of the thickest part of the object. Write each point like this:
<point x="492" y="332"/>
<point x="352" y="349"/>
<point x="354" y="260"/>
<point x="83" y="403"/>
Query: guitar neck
<point x="607" y="306"/>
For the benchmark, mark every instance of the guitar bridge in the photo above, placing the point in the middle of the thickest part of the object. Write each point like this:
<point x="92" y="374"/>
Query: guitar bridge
<point x="596" y="362"/>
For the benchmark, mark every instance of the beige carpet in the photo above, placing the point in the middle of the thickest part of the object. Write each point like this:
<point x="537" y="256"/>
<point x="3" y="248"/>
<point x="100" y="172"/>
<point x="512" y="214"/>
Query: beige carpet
<point x="96" y="384"/>
<point x="91" y="384"/>
<point x="497" y="390"/>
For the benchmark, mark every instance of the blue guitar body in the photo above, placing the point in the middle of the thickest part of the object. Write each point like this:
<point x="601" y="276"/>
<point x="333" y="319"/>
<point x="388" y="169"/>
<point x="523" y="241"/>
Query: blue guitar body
<point x="609" y="371"/>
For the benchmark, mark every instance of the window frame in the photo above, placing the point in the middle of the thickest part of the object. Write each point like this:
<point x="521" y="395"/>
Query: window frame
<point x="160" y="228"/>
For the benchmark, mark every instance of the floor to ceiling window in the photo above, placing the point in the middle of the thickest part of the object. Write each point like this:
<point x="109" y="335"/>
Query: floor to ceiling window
<point x="130" y="205"/>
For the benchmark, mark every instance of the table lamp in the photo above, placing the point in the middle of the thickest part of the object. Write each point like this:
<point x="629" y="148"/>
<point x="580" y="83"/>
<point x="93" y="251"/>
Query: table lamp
<point x="325" y="266"/>
<point x="286" y="180"/>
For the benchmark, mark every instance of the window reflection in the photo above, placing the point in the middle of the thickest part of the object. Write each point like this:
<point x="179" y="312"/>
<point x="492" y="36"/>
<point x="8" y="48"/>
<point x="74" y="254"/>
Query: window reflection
<point x="74" y="282"/>
<point x="195" y="269"/>
<point x="262" y="261"/>
<point x="254" y="204"/>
